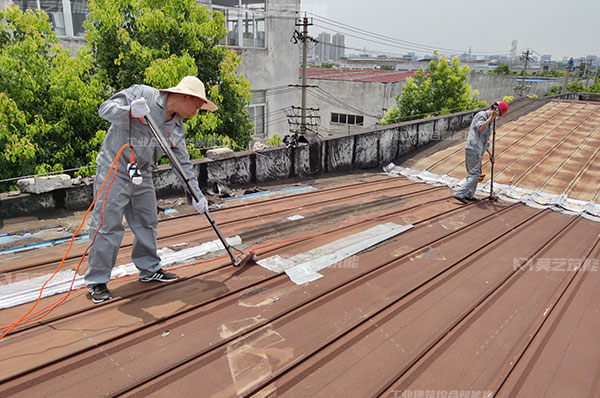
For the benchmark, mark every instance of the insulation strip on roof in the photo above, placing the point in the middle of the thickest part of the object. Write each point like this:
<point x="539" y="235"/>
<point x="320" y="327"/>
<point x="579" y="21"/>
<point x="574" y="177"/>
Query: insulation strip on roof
<point x="537" y="199"/>
<point x="303" y="267"/>
<point x="25" y="291"/>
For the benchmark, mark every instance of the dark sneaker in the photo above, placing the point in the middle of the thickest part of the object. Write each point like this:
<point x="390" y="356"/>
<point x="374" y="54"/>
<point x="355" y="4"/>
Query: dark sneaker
<point x="472" y="199"/>
<point x="160" y="276"/>
<point x="99" y="293"/>
<point x="461" y="199"/>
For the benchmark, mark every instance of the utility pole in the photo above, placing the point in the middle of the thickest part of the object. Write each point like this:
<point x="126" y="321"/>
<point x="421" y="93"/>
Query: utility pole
<point x="566" y="81"/>
<point x="304" y="37"/>
<point x="522" y="88"/>
<point x="585" y="73"/>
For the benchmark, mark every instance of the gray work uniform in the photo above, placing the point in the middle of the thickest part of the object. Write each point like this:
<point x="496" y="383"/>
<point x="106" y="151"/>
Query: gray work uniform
<point x="477" y="144"/>
<point x="136" y="202"/>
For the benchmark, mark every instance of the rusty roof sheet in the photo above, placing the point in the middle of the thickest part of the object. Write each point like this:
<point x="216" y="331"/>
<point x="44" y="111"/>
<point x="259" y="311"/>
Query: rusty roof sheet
<point x="358" y="75"/>
<point x="546" y="157"/>
<point x="487" y="299"/>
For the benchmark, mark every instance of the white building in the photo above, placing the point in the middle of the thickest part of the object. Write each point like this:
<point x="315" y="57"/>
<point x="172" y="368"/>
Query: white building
<point x="351" y="100"/>
<point x="269" y="59"/>
<point x="66" y="17"/>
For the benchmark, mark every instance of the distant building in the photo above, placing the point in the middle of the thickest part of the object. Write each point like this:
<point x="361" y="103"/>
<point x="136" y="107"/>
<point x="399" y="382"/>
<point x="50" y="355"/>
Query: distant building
<point x="323" y="47"/>
<point x="546" y="58"/>
<point x="338" y="47"/>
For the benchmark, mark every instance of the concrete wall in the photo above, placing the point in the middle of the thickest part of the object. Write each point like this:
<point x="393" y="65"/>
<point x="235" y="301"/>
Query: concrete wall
<point x="371" y="149"/>
<point x="369" y="99"/>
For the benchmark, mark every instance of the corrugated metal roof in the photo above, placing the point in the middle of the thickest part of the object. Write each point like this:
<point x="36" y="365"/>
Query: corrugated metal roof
<point x="358" y="75"/>
<point x="554" y="149"/>
<point x="487" y="299"/>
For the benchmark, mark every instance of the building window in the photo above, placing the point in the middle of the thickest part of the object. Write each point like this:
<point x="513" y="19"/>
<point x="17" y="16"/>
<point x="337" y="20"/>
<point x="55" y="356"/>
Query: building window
<point x="66" y="16"/>
<point x="245" y="22"/>
<point x="257" y="114"/>
<point x="341" y="118"/>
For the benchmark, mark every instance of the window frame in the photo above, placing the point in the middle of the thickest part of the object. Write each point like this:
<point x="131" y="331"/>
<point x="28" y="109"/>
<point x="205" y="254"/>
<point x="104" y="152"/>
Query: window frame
<point x="259" y="100"/>
<point x="247" y="20"/>
<point x="67" y="17"/>
<point x="343" y="119"/>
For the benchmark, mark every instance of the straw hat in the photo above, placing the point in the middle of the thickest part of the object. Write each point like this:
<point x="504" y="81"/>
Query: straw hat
<point x="191" y="85"/>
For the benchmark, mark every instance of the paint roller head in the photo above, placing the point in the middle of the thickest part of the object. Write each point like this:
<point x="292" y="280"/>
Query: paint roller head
<point x="244" y="258"/>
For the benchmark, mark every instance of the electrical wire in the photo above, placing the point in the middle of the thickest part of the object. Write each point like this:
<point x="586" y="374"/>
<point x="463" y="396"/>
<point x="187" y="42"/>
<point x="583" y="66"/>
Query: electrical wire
<point x="368" y="35"/>
<point x="331" y="100"/>
<point x="115" y="166"/>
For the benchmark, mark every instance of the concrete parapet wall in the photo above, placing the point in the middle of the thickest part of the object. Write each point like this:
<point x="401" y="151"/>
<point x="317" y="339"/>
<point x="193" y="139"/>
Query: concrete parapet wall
<point x="364" y="150"/>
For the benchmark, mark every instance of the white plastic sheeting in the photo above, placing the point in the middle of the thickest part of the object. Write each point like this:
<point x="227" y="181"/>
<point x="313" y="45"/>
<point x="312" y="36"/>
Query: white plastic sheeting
<point x="510" y="193"/>
<point x="24" y="291"/>
<point x="303" y="267"/>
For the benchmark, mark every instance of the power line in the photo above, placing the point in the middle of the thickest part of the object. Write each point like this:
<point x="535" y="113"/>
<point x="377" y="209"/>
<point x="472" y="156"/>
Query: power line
<point x="339" y="105"/>
<point x="340" y="102"/>
<point x="411" y="45"/>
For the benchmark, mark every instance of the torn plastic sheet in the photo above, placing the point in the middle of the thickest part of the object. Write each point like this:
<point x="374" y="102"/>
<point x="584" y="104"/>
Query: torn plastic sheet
<point x="303" y="267"/>
<point x="36" y="245"/>
<point x="24" y="291"/>
<point x="533" y="198"/>
<point x="277" y="192"/>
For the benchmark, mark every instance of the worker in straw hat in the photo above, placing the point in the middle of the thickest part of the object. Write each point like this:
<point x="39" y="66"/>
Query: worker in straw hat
<point x="132" y="191"/>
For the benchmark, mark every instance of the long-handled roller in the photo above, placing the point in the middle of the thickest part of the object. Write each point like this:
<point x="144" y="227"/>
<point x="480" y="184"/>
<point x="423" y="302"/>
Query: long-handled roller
<point x="492" y="196"/>
<point x="238" y="261"/>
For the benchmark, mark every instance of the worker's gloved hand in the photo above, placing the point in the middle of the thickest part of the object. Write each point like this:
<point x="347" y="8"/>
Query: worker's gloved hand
<point x="139" y="108"/>
<point x="200" y="205"/>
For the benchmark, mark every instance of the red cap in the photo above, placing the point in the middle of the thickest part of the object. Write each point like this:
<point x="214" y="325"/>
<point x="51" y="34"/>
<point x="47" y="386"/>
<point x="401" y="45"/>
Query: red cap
<point x="503" y="106"/>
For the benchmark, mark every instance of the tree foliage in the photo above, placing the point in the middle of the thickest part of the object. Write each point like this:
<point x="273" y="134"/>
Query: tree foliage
<point x="158" y="43"/>
<point x="550" y="73"/>
<point x="440" y="89"/>
<point x="48" y="99"/>
<point x="502" y="69"/>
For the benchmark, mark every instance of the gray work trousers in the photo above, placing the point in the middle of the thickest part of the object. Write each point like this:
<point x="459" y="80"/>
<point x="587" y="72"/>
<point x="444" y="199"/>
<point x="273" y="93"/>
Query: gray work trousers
<point x="138" y="204"/>
<point x="473" y="162"/>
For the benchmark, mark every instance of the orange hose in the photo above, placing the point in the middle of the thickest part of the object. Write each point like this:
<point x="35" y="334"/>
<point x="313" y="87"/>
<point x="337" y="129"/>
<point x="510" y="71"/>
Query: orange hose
<point x="113" y="165"/>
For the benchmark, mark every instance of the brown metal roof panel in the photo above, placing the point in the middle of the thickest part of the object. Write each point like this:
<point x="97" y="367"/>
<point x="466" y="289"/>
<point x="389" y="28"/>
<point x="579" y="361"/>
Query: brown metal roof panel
<point x="481" y="352"/>
<point x="562" y="360"/>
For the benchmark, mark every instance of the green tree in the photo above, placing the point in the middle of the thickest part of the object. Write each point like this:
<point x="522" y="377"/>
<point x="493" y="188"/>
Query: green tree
<point x="595" y="88"/>
<point x="440" y="89"/>
<point x="502" y="69"/>
<point x="158" y="43"/>
<point x="550" y="73"/>
<point x="48" y="99"/>
<point x="276" y="140"/>
<point x="554" y="90"/>
<point x="576" y="87"/>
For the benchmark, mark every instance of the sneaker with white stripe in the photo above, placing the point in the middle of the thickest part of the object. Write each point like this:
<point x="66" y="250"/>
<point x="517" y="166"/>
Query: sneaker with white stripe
<point x="99" y="293"/>
<point x="160" y="276"/>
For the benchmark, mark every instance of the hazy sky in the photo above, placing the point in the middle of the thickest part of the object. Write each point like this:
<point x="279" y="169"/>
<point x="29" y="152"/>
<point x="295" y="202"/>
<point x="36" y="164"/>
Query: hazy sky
<point x="559" y="28"/>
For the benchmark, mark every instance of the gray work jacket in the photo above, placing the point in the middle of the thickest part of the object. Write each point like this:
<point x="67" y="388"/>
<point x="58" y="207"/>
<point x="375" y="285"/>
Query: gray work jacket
<point x="124" y="130"/>
<point x="478" y="141"/>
